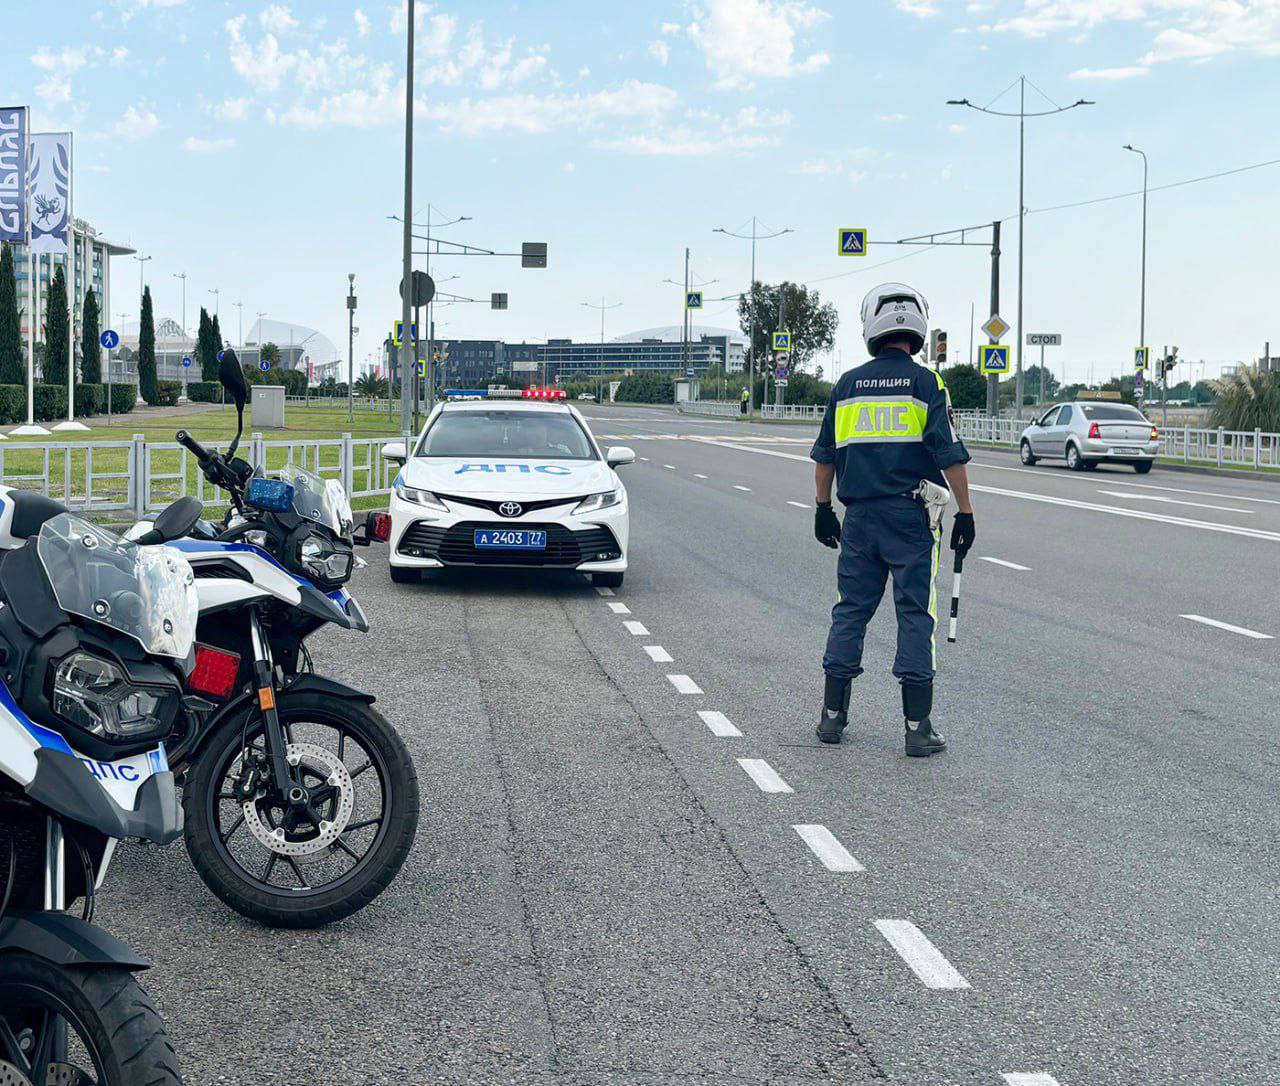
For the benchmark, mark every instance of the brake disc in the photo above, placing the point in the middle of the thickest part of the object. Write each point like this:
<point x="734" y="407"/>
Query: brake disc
<point x="61" y="1074"/>
<point x="11" y="1076"/>
<point x="323" y="763"/>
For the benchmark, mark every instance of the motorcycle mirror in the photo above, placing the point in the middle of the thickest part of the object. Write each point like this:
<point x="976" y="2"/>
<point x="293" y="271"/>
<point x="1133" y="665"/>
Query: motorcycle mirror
<point x="174" y="522"/>
<point x="232" y="379"/>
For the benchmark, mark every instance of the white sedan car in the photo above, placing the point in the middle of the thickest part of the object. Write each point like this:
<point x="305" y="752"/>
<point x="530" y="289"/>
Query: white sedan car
<point x="508" y="483"/>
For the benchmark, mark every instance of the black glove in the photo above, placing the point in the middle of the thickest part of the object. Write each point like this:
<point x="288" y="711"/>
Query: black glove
<point x="963" y="534"/>
<point x="826" y="526"/>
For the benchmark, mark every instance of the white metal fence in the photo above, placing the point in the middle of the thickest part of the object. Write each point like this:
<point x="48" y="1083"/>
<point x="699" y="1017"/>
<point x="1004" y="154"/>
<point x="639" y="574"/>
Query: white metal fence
<point x="140" y="476"/>
<point x="732" y="409"/>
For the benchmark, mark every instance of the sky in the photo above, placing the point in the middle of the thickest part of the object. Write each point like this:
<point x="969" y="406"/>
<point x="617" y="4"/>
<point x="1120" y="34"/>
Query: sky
<point x="258" y="147"/>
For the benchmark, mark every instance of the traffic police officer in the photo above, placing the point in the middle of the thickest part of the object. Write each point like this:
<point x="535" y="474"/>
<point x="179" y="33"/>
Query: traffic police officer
<point x="887" y="429"/>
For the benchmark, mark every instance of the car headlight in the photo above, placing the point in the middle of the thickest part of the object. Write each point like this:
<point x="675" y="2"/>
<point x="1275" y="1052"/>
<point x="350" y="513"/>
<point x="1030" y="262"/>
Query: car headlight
<point x="325" y="561"/>
<point x="419" y="497"/>
<point x="594" y="502"/>
<point x="96" y="695"/>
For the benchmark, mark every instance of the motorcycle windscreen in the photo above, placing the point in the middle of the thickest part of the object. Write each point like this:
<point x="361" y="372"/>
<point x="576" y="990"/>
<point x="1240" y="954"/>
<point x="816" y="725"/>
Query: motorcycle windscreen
<point x="324" y="501"/>
<point x="147" y="593"/>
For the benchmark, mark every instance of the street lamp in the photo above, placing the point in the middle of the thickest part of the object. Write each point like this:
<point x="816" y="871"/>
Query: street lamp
<point x="754" y="236"/>
<point x="351" y="344"/>
<point x="1022" y="116"/>
<point x="217" y="301"/>
<point x="602" y="307"/>
<point x="142" y="260"/>
<point x="240" y="338"/>
<point x="1142" y="304"/>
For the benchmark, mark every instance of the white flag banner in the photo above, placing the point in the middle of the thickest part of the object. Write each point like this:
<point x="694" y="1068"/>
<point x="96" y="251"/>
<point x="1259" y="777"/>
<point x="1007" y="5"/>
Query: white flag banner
<point x="13" y="173"/>
<point x="50" y="188"/>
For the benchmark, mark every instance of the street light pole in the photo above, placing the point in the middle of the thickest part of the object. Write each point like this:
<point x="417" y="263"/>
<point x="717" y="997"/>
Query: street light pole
<point x="240" y="333"/>
<point x="1142" y="303"/>
<point x="407" y="371"/>
<point x="351" y="344"/>
<point x="602" y="307"/>
<point x="1022" y="116"/>
<point x="754" y="237"/>
<point x="217" y="301"/>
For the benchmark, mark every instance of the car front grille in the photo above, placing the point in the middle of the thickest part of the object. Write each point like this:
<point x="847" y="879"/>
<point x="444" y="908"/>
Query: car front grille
<point x="455" y="546"/>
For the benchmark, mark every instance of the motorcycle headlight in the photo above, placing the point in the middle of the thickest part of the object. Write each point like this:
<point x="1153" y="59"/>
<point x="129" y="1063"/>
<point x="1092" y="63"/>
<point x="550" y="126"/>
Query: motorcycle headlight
<point x="419" y="497"/>
<point x="96" y="695"/>
<point x="325" y="561"/>
<point x="594" y="502"/>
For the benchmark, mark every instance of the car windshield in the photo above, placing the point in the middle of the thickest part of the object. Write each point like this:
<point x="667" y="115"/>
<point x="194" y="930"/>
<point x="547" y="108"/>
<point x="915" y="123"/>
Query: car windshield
<point x="1112" y="412"/>
<point x="519" y="435"/>
<point x="147" y="593"/>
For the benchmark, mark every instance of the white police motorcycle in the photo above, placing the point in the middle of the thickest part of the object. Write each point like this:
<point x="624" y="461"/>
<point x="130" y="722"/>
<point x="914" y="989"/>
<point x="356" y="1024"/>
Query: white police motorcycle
<point x="96" y="643"/>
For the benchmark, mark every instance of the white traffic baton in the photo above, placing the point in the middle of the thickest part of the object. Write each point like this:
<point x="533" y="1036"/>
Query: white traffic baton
<point x="955" y="597"/>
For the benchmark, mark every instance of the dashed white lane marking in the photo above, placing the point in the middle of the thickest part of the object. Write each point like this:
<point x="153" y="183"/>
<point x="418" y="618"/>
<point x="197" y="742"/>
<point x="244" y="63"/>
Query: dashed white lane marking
<point x="697" y="476"/>
<point x="1002" y="562"/>
<point x="765" y="776"/>
<point x="1141" y="486"/>
<point x="658" y="654"/>
<point x="1174" y="501"/>
<point x="719" y="724"/>
<point x="684" y="684"/>
<point x="619" y="608"/>
<point x="645" y="459"/>
<point x="669" y="467"/>
<point x="822" y="842"/>
<point x="1029" y="1078"/>
<point x="737" y="486"/>
<point x="1243" y="631"/>
<point x="925" y="959"/>
<point x="798" y="505"/>
<point x="637" y="628"/>
<point x="604" y="591"/>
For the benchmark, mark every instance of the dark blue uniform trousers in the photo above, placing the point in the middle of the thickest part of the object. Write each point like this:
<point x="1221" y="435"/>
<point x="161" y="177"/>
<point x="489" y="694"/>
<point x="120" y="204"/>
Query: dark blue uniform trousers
<point x="879" y="537"/>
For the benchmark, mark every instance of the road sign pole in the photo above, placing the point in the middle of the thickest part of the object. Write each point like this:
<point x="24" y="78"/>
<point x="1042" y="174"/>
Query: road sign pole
<point x="1042" y="373"/>
<point x="406" y="353"/>
<point x="1022" y="218"/>
<point x="993" y="404"/>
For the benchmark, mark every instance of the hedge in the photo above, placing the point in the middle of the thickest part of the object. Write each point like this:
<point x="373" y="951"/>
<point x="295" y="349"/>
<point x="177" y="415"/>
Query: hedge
<point x="123" y="398"/>
<point x="50" y="402"/>
<point x="89" y="400"/>
<point x="204" y="392"/>
<point x="167" y="393"/>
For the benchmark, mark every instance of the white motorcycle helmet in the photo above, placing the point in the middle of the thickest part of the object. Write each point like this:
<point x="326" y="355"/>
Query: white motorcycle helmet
<point x="894" y="311"/>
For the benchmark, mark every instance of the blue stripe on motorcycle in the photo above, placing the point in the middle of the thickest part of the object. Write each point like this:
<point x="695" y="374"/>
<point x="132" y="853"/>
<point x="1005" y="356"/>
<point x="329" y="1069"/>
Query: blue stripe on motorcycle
<point x="46" y="736"/>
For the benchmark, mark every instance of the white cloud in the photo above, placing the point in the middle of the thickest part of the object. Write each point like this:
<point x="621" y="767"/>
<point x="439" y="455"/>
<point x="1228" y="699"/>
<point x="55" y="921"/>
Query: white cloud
<point x="742" y="40"/>
<point x="569" y="167"/>
<point x="684" y="142"/>
<point x="97" y="168"/>
<point x="892" y="118"/>
<point x="754" y="117"/>
<point x="264" y="65"/>
<point x="956" y="129"/>
<point x="660" y="51"/>
<point x="922" y="9"/>
<point x="535" y="114"/>
<point x="277" y="18"/>
<point x="204" y="146"/>
<point x="1131" y="72"/>
<point x="55" y="90"/>
<point x="1176" y="44"/>
<point x="64" y="61"/>
<point x="119" y="55"/>
<point x="232" y="109"/>
<point x="671" y="28"/>
<point x="137" y="123"/>
<point x="362" y="23"/>
<point x="819" y="167"/>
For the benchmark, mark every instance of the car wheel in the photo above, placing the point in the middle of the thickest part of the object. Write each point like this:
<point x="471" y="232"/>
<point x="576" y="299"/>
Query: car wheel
<point x="1090" y="465"/>
<point x="1025" y="453"/>
<point x="607" y="580"/>
<point x="1074" y="460"/>
<point x="1142" y="467"/>
<point x="404" y="575"/>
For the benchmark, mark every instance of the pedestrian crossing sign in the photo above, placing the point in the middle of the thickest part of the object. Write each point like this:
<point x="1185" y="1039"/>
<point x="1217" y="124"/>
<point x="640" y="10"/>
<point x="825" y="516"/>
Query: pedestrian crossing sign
<point x="693" y="299"/>
<point x="422" y="368"/>
<point x="1140" y="356"/>
<point x="781" y="341"/>
<point x="413" y="332"/>
<point x="853" y="241"/>
<point x="993" y="358"/>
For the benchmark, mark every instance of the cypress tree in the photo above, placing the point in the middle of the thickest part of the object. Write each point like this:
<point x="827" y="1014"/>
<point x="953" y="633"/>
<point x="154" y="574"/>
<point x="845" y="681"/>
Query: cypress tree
<point x="206" y="355"/>
<point x="147" y="385"/>
<point x="216" y="337"/>
<point x="57" y="331"/>
<point x="13" y="370"/>
<point x="90" y="349"/>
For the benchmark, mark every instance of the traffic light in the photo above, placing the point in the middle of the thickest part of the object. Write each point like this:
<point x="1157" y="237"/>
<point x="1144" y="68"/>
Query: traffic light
<point x="938" y="346"/>
<point x="1169" y="362"/>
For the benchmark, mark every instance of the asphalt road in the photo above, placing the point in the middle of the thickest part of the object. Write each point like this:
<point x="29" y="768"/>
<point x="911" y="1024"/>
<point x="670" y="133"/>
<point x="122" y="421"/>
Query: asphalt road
<point x="619" y="882"/>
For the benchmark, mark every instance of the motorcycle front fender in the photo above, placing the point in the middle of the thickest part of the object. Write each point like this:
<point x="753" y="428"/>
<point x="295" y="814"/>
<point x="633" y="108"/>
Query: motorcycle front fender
<point x="64" y="940"/>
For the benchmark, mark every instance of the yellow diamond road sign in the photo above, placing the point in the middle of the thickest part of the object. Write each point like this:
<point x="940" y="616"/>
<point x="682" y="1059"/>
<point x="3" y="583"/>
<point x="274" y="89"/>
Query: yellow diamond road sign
<point x="996" y="327"/>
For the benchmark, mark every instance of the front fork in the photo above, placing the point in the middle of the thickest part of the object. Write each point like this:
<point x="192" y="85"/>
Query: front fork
<point x="264" y="674"/>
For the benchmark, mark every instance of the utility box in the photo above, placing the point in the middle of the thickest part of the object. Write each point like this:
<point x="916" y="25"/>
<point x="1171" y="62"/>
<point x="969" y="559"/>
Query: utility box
<point x="687" y="389"/>
<point x="268" y="407"/>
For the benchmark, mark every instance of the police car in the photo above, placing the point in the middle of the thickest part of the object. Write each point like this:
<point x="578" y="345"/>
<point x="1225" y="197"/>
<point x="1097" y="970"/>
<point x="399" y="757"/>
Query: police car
<point x="495" y="480"/>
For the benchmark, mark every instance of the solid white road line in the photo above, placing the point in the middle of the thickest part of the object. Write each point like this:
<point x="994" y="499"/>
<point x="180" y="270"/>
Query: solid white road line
<point x="925" y="959"/>
<point x="1227" y="626"/>
<point x="619" y="608"/>
<point x="637" y="628"/>
<point x="604" y="591"/>
<point x="798" y="505"/>
<point x="719" y="724"/>
<point x="1173" y="501"/>
<point x="697" y="476"/>
<point x="658" y="654"/>
<point x="746" y="488"/>
<point x="1029" y="1078"/>
<point x="669" y="467"/>
<point x="1119" y="482"/>
<point x="765" y="776"/>
<point x="1002" y="562"/>
<point x="823" y="843"/>
<point x="684" y="684"/>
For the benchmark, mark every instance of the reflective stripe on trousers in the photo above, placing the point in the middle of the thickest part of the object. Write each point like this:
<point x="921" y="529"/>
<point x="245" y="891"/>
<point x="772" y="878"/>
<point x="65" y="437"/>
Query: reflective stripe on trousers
<point x="882" y="537"/>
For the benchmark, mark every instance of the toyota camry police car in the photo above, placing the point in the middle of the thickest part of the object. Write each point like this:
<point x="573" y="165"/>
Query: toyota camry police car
<point x="512" y="483"/>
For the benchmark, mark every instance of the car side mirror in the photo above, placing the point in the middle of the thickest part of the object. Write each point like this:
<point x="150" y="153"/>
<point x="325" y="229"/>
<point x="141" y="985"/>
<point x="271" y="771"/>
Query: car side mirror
<point x="618" y="455"/>
<point x="394" y="451"/>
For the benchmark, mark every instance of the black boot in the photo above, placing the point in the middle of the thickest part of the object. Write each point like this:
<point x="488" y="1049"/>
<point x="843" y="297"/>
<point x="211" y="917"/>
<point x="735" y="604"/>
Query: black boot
<point x="921" y="739"/>
<point x="835" y="710"/>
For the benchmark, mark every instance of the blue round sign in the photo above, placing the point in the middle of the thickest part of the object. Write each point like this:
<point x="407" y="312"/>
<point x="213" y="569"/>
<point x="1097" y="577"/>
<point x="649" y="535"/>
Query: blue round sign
<point x="220" y="354"/>
<point x="186" y="360"/>
<point x="109" y="340"/>
<point x="264" y="365"/>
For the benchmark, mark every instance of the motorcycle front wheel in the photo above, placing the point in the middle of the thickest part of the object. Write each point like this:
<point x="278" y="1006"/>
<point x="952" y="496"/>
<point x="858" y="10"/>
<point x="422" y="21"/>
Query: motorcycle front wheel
<point x="82" y="1027"/>
<point x="302" y="866"/>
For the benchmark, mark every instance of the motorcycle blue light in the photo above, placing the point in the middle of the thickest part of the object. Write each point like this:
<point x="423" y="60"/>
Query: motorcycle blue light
<point x="269" y="494"/>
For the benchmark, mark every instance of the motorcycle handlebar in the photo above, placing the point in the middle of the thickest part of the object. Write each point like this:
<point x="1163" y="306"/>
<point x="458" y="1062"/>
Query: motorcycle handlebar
<point x="186" y="440"/>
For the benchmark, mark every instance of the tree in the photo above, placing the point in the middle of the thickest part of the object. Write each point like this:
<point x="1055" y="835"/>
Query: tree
<point x="217" y="337"/>
<point x="148" y="386"/>
<point x="57" y="332"/>
<point x="13" y="370"/>
<point x="1247" y="400"/>
<point x="206" y="352"/>
<point x="967" y="386"/>
<point x="271" y="355"/>
<point x="811" y="323"/>
<point x="369" y="385"/>
<point x="90" y="348"/>
<point x="1031" y="383"/>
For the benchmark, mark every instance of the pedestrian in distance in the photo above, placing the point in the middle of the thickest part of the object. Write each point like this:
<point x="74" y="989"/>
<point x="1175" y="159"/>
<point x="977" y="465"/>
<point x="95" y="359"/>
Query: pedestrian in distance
<point x="746" y="399"/>
<point x="889" y="448"/>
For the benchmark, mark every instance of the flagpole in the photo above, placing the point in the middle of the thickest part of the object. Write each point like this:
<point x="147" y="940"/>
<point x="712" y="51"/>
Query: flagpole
<point x="33" y="280"/>
<point x="71" y="423"/>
